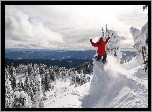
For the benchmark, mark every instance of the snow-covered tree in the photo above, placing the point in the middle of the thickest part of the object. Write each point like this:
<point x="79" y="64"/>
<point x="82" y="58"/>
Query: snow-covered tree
<point x="37" y="98"/>
<point x="20" y="99"/>
<point x="12" y="72"/>
<point x="47" y="82"/>
<point x="16" y="102"/>
<point x="141" y="44"/>
<point x="23" y="99"/>
<point x="113" y="46"/>
<point x="8" y="91"/>
<point x="145" y="7"/>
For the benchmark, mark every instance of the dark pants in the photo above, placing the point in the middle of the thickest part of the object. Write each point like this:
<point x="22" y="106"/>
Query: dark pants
<point x="98" y="57"/>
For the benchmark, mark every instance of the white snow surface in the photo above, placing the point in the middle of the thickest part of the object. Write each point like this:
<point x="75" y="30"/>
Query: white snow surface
<point x="66" y="96"/>
<point x="112" y="86"/>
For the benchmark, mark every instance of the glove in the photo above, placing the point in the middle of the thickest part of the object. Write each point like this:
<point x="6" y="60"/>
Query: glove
<point x="90" y="40"/>
<point x="108" y="36"/>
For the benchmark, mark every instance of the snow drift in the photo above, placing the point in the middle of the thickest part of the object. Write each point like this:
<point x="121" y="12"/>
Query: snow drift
<point x="115" y="87"/>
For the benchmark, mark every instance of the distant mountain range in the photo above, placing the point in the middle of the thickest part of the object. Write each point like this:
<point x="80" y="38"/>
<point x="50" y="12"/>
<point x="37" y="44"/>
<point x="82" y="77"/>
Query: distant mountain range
<point x="67" y="63"/>
<point x="48" y="54"/>
<point x="53" y="54"/>
<point x="61" y="58"/>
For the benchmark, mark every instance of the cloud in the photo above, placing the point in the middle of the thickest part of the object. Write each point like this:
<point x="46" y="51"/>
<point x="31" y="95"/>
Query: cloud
<point x="135" y="17"/>
<point x="127" y="43"/>
<point x="21" y="29"/>
<point x="68" y="26"/>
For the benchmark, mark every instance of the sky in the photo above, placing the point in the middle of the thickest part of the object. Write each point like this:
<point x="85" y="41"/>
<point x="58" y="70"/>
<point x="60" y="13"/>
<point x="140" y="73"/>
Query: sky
<point x="69" y="26"/>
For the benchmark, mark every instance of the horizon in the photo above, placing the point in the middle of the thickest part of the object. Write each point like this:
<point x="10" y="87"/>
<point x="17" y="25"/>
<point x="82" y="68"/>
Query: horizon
<point x="66" y="49"/>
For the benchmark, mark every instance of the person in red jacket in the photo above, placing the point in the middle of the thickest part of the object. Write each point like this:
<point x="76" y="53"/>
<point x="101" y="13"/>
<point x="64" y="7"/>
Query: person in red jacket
<point x="101" y="44"/>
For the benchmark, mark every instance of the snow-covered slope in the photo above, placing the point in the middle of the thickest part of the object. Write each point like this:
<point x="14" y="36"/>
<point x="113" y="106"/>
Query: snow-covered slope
<point x="112" y="86"/>
<point x="66" y="96"/>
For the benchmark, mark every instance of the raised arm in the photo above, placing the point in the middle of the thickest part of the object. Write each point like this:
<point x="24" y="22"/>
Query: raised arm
<point x="107" y="39"/>
<point x="94" y="44"/>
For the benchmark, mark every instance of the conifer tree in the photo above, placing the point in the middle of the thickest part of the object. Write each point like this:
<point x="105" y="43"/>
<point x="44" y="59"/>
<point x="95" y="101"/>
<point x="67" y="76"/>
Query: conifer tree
<point x="37" y="98"/>
<point x="8" y="91"/>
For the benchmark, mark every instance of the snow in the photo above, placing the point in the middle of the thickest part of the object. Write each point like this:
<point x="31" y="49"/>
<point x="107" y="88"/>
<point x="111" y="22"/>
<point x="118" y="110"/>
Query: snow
<point x="66" y="96"/>
<point x="135" y="32"/>
<point x="112" y="86"/>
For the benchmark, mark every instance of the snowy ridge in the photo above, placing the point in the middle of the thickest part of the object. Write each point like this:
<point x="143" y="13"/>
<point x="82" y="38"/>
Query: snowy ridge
<point x="116" y="87"/>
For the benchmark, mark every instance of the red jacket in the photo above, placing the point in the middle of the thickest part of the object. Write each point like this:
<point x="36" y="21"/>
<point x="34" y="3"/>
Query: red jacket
<point x="101" y="46"/>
